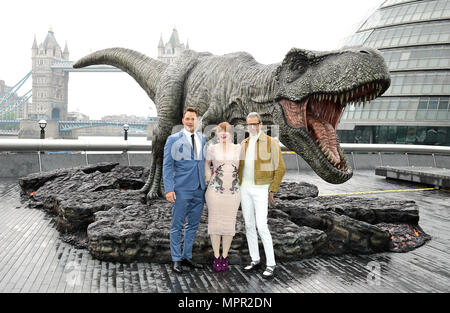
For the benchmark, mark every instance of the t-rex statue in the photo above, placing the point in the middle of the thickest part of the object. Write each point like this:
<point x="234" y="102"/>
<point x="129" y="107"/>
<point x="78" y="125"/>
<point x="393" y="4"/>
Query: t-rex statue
<point x="305" y="95"/>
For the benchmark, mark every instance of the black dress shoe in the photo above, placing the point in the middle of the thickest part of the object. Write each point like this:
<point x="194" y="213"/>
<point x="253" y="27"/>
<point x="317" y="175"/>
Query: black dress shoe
<point x="252" y="266"/>
<point x="190" y="263"/>
<point x="177" y="267"/>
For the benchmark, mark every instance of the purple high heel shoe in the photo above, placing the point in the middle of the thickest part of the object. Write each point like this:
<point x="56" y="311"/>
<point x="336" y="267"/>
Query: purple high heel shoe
<point x="224" y="264"/>
<point x="217" y="266"/>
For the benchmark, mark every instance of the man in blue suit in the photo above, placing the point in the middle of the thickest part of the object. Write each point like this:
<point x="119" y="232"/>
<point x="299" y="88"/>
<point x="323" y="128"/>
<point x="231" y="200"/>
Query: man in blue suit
<point x="184" y="184"/>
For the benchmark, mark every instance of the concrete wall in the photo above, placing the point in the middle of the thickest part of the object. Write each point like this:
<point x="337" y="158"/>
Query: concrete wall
<point x="365" y="161"/>
<point x="29" y="129"/>
<point x="21" y="164"/>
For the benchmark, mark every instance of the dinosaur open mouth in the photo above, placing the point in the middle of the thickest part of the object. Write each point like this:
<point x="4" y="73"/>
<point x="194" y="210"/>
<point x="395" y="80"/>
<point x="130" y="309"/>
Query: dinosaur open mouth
<point x="320" y="113"/>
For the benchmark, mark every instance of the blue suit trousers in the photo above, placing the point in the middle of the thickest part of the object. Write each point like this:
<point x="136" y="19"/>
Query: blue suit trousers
<point x="188" y="205"/>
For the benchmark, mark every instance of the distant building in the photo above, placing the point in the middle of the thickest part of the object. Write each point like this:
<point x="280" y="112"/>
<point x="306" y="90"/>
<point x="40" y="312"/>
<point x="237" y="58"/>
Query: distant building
<point x="9" y="110"/>
<point x="50" y="86"/>
<point x="77" y="116"/>
<point x="414" y="39"/>
<point x="124" y="118"/>
<point x="173" y="48"/>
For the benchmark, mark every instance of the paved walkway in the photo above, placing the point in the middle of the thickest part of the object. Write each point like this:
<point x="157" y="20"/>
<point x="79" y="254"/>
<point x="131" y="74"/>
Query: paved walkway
<point x="34" y="259"/>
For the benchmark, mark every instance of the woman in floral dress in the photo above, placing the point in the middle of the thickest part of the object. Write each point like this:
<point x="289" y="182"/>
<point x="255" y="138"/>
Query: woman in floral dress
<point x="222" y="195"/>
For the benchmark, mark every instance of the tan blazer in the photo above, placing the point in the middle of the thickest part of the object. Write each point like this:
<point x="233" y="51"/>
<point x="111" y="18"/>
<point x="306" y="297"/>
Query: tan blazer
<point x="269" y="163"/>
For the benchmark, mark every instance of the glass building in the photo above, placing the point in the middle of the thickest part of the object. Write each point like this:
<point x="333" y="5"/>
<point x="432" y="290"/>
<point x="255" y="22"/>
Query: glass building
<point x="414" y="39"/>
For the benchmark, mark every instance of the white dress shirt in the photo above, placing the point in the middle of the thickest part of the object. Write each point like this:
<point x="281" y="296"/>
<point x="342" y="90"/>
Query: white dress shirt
<point x="198" y="141"/>
<point x="248" y="175"/>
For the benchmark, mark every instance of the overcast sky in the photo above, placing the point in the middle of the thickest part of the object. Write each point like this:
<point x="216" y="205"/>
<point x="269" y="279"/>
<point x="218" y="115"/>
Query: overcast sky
<point x="265" y="29"/>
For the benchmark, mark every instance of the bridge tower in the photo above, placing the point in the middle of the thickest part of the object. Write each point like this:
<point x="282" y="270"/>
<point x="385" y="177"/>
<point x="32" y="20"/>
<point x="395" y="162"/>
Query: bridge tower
<point x="50" y="86"/>
<point x="172" y="49"/>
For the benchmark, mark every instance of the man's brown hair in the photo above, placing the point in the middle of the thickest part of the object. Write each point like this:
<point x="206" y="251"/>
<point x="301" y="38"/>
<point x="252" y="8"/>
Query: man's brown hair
<point x="190" y="109"/>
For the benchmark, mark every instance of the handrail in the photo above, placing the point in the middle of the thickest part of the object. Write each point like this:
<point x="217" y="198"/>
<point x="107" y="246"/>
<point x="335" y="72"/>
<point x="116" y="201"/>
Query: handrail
<point x="125" y="145"/>
<point x="401" y="148"/>
<point x="71" y="145"/>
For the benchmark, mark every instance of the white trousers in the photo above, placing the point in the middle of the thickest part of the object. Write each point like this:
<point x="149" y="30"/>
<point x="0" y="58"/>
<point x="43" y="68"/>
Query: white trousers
<point x="254" y="203"/>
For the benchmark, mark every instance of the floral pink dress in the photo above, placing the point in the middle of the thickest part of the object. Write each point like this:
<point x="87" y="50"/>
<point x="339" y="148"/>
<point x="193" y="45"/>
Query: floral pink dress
<point x="222" y="194"/>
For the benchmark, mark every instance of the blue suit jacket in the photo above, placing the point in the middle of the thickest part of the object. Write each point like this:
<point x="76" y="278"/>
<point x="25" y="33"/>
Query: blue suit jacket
<point x="180" y="165"/>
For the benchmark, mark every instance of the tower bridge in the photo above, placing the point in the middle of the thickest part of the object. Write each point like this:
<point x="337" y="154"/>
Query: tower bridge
<point x="50" y="76"/>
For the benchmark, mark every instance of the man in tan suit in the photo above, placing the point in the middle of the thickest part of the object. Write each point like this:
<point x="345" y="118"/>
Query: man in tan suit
<point x="261" y="170"/>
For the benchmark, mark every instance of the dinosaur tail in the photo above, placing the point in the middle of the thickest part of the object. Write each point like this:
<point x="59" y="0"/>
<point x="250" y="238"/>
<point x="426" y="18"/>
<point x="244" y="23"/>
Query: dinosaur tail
<point x="145" y="70"/>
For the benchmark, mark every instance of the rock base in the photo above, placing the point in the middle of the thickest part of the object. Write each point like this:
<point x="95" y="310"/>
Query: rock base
<point x="100" y="207"/>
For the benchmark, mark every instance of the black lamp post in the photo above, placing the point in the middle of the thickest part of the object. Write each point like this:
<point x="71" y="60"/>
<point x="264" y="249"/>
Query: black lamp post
<point x="42" y="124"/>
<point x="125" y="134"/>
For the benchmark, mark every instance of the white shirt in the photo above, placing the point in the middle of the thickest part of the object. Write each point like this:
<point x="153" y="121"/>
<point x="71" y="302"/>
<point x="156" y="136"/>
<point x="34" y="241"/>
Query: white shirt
<point x="198" y="142"/>
<point x="248" y="175"/>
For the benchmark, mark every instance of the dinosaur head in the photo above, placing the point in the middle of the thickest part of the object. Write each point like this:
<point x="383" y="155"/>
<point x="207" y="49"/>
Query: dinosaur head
<point x="312" y="90"/>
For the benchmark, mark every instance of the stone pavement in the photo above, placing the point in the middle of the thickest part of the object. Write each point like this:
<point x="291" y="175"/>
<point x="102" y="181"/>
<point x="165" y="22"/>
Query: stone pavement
<point x="34" y="259"/>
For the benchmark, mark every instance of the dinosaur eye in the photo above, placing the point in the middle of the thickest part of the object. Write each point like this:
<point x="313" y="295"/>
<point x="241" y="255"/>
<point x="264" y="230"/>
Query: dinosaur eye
<point x="300" y="68"/>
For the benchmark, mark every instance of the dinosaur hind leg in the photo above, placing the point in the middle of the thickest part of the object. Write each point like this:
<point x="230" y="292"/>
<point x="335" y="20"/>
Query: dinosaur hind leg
<point x="155" y="188"/>
<point x="154" y="185"/>
<point x="149" y="181"/>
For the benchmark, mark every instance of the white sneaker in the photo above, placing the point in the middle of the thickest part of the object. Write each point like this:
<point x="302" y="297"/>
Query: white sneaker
<point x="253" y="265"/>
<point x="269" y="272"/>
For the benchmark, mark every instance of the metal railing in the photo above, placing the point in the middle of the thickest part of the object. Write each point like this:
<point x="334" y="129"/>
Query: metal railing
<point x="41" y="145"/>
<point x="417" y="149"/>
<point x="31" y="145"/>
<point x="396" y="148"/>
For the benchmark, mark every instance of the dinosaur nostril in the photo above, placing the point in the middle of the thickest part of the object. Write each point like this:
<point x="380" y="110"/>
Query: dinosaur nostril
<point x="364" y="51"/>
